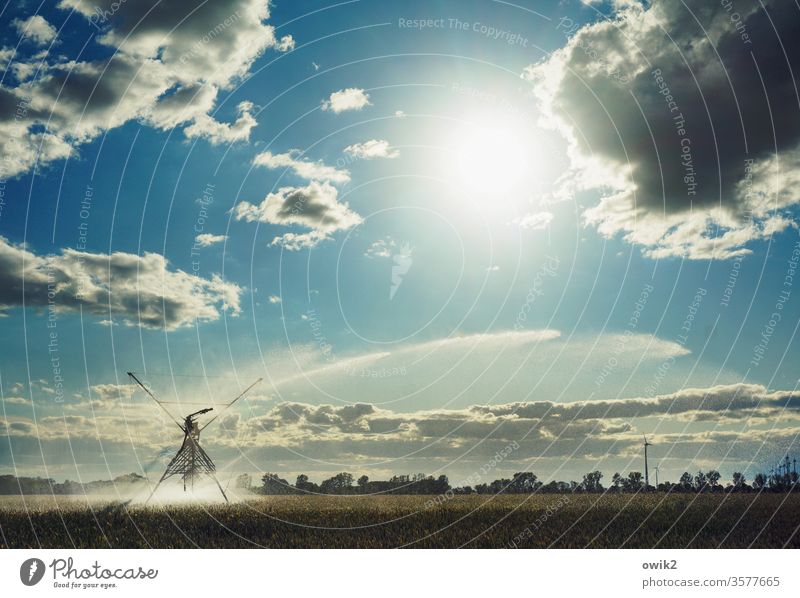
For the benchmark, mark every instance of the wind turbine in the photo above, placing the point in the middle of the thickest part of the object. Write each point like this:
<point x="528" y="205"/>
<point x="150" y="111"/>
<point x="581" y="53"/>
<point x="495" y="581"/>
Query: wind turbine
<point x="191" y="460"/>
<point x="656" y="469"/>
<point x="646" y="476"/>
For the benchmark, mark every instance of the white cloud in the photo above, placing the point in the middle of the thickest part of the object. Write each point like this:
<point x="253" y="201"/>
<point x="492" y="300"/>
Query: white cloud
<point x="382" y="248"/>
<point x="168" y="65"/>
<point x="315" y="207"/>
<point x="207" y="127"/>
<point x="6" y="54"/>
<point x="351" y="98"/>
<point x="15" y="401"/>
<point x="285" y="44"/>
<point x="534" y="221"/>
<point x="112" y="393"/>
<point x="301" y="167"/>
<point x="298" y="242"/>
<point x="641" y="99"/>
<point x="140" y="290"/>
<point x="616" y="4"/>
<point x="274" y="299"/>
<point x="374" y="148"/>
<point x="36" y="29"/>
<point x="207" y="239"/>
<point x="215" y="42"/>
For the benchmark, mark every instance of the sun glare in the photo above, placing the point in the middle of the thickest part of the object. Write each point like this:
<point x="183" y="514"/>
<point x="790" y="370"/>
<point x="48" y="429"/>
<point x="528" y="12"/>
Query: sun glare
<point x="490" y="157"/>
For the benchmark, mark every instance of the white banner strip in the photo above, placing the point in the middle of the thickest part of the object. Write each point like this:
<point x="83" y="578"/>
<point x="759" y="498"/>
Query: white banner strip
<point x="354" y="573"/>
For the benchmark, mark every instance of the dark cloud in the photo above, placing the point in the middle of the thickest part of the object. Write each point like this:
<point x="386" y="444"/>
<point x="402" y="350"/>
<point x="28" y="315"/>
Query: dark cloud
<point x="138" y="290"/>
<point x="671" y="101"/>
<point x="315" y="207"/>
<point x="21" y="427"/>
<point x="734" y="400"/>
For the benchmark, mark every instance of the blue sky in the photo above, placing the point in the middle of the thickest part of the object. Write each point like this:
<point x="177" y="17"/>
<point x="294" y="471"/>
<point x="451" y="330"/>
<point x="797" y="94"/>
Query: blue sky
<point x="423" y="222"/>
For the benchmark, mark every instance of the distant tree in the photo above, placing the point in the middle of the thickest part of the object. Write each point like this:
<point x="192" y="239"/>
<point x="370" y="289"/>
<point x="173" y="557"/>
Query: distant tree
<point x="303" y="485"/>
<point x="760" y="481"/>
<point x="700" y="482"/>
<point x="341" y="483"/>
<point x="133" y="478"/>
<point x="738" y="481"/>
<point x="591" y="482"/>
<point x="272" y="484"/>
<point x="634" y="482"/>
<point x="500" y="486"/>
<point x="524" y="483"/>
<point x="550" y="487"/>
<point x="616" y="481"/>
<point x="363" y="481"/>
<point x="713" y="477"/>
<point x="244" y="481"/>
<point x="686" y="482"/>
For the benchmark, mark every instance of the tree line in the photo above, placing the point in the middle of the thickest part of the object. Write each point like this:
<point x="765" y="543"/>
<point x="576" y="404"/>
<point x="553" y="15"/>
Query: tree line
<point x="344" y="483"/>
<point x="10" y="484"/>
<point x="519" y="483"/>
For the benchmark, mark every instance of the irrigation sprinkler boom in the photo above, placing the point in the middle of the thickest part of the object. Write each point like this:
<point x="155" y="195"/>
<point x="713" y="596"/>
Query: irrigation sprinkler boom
<point x="191" y="460"/>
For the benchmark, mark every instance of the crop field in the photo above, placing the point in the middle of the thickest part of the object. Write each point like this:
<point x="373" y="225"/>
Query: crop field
<point x="508" y="521"/>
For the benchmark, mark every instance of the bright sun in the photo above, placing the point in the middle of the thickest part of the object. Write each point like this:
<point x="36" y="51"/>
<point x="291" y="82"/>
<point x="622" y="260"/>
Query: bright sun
<point x="488" y="156"/>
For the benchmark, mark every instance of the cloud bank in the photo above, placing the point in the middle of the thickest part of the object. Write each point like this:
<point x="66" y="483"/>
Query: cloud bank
<point x="363" y="436"/>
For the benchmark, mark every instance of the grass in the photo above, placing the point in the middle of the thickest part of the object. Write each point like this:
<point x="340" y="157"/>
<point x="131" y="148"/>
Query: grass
<point x="523" y="521"/>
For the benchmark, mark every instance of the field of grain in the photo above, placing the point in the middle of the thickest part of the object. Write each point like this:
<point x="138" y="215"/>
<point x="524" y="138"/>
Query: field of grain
<point x="516" y="521"/>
